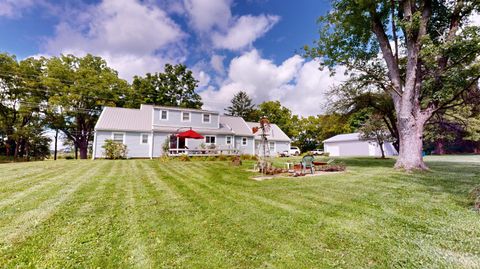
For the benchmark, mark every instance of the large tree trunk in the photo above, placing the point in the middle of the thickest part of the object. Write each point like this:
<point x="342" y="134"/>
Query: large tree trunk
<point x="381" y="149"/>
<point x="440" y="147"/>
<point x="17" y="149"/>
<point x="410" y="156"/>
<point x="83" y="147"/>
<point x="83" y="152"/>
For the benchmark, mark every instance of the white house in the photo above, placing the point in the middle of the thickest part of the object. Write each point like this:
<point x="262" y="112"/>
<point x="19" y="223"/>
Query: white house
<point x="144" y="131"/>
<point x="353" y="145"/>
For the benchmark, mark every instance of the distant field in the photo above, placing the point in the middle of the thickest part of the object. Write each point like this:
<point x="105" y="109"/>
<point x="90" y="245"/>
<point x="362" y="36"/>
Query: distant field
<point x="152" y="214"/>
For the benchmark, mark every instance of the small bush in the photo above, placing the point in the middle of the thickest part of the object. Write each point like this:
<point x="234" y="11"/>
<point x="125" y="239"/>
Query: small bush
<point x="184" y="158"/>
<point x="114" y="150"/>
<point x="222" y="158"/>
<point x="211" y="158"/>
<point x="248" y="157"/>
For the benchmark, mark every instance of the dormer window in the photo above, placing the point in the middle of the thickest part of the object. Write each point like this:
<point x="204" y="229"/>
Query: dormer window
<point x="185" y="116"/>
<point x="163" y="114"/>
<point x="206" y="118"/>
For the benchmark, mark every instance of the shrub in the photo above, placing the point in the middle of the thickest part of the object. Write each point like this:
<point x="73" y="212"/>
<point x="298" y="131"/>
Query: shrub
<point x="248" y="157"/>
<point x="184" y="158"/>
<point x="114" y="150"/>
<point x="166" y="146"/>
<point x="222" y="158"/>
<point x="211" y="158"/>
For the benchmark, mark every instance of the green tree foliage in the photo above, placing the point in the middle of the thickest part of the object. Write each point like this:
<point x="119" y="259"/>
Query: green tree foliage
<point x="312" y="130"/>
<point x="242" y="106"/>
<point x="358" y="99"/>
<point x="279" y="115"/>
<point x="374" y="128"/>
<point x="77" y="89"/>
<point x="21" y="101"/>
<point x="429" y="57"/>
<point x="174" y="87"/>
<point x="456" y="126"/>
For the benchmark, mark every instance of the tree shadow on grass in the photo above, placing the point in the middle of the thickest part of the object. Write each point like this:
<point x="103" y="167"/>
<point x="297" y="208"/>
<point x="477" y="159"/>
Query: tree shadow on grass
<point x="455" y="179"/>
<point x="367" y="162"/>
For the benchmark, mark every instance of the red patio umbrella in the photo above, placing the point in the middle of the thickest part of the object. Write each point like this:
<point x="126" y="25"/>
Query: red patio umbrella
<point x="190" y="134"/>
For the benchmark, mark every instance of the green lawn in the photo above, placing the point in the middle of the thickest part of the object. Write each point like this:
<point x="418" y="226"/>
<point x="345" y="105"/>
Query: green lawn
<point x="143" y="213"/>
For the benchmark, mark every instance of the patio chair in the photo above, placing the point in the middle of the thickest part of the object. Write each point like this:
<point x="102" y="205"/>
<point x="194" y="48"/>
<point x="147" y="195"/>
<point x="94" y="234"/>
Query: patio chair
<point x="307" y="163"/>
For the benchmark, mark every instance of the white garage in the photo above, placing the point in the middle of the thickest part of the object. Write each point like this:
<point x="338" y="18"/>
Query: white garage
<point x="353" y="145"/>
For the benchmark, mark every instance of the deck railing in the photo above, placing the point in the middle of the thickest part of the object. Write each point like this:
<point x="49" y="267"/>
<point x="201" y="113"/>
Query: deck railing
<point x="203" y="152"/>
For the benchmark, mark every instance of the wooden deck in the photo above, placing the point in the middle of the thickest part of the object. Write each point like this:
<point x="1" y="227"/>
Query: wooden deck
<point x="203" y="152"/>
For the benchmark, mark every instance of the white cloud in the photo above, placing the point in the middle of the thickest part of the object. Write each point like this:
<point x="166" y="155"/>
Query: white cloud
<point x="244" y="31"/>
<point x="297" y="84"/>
<point x="213" y="20"/>
<point x="216" y="61"/>
<point x="208" y="14"/>
<point x="14" y="8"/>
<point x="133" y="37"/>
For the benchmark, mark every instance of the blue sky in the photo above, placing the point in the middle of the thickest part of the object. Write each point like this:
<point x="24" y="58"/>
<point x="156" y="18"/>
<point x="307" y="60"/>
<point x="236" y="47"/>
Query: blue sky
<point x="230" y="45"/>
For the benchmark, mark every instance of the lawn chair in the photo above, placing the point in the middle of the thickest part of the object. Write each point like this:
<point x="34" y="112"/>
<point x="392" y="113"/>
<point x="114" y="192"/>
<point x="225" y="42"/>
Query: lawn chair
<point x="307" y="163"/>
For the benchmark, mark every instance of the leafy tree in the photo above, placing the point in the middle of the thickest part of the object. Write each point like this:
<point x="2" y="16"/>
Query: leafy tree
<point x="457" y="127"/>
<point x="242" y="106"/>
<point x="77" y="89"/>
<point x="375" y="129"/>
<point x="280" y="115"/>
<point x="21" y="102"/>
<point x="314" y="129"/>
<point x="174" y="87"/>
<point x="429" y="57"/>
<point x="358" y="98"/>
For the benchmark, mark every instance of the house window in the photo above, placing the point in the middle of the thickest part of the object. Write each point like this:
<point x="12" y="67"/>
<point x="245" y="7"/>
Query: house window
<point x="228" y="140"/>
<point x="271" y="145"/>
<point x="206" y="118"/>
<point x="185" y="116"/>
<point x="209" y="139"/>
<point x="163" y="115"/>
<point x="118" y="137"/>
<point x="144" y="139"/>
<point x="244" y="141"/>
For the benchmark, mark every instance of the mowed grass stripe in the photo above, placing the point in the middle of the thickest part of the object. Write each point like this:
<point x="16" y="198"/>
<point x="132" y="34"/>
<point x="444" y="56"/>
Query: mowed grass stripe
<point x="144" y="213"/>
<point x="135" y="198"/>
<point x="15" y="183"/>
<point x="57" y="242"/>
<point x="257" y="200"/>
<point x="20" y="227"/>
<point x="245" y="224"/>
<point x="43" y="188"/>
<point x="25" y="172"/>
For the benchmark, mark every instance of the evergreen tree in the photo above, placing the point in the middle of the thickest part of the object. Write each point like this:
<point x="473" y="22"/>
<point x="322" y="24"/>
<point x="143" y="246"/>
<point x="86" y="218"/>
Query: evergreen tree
<point x="242" y="106"/>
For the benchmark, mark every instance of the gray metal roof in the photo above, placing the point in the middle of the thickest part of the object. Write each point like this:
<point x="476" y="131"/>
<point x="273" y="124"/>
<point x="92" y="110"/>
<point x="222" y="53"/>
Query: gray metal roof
<point x="276" y="134"/>
<point x="116" y="118"/>
<point x="186" y="109"/>
<point x="237" y="125"/>
<point x="344" y="137"/>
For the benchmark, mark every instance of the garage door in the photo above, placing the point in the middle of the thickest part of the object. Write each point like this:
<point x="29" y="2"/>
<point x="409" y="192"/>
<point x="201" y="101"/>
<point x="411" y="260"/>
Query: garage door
<point x="334" y="150"/>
